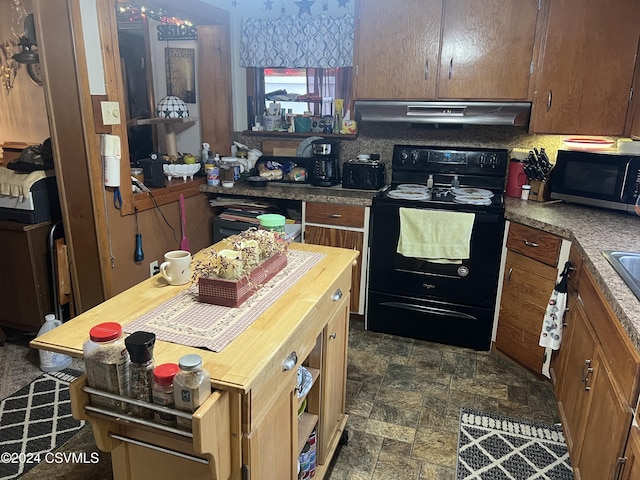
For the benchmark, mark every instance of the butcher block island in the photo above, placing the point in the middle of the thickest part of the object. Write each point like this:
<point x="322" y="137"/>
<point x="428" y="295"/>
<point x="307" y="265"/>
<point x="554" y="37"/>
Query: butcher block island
<point x="250" y="427"/>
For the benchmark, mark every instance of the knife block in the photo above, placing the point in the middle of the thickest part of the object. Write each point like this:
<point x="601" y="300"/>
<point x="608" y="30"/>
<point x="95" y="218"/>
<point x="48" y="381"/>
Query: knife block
<point x="539" y="190"/>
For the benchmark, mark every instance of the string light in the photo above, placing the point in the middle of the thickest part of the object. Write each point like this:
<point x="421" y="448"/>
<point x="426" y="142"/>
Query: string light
<point x="135" y="13"/>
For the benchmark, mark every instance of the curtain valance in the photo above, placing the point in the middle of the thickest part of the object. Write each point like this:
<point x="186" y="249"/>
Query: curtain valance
<point x="297" y="42"/>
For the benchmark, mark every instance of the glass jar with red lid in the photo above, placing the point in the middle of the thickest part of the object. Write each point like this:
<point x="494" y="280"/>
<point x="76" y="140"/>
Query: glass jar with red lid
<point x="162" y="391"/>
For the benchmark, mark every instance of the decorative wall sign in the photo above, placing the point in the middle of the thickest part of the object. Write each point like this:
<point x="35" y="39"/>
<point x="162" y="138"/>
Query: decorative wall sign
<point x="180" y="70"/>
<point x="177" y="32"/>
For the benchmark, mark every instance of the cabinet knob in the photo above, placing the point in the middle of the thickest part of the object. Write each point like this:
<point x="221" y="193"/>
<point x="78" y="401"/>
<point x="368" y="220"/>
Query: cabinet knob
<point x="290" y="361"/>
<point x="509" y="275"/>
<point x="450" y="68"/>
<point x="549" y="100"/>
<point x="332" y="335"/>
<point x="334" y="215"/>
<point x="337" y="295"/>
<point x="426" y="69"/>
<point x="530" y="244"/>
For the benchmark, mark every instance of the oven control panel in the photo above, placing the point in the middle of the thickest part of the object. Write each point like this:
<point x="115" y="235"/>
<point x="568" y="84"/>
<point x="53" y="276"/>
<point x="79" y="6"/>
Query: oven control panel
<point x="477" y="161"/>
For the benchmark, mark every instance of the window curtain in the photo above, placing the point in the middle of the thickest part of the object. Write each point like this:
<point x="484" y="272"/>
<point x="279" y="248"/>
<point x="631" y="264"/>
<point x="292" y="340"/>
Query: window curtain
<point x="329" y="82"/>
<point x="297" y="42"/>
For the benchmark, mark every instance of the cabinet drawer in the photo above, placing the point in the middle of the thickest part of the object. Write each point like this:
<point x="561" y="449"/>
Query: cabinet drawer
<point x="333" y="214"/>
<point x="541" y="246"/>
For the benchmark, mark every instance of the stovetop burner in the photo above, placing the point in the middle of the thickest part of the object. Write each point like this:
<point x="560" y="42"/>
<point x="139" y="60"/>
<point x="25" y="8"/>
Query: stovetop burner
<point x="478" y="175"/>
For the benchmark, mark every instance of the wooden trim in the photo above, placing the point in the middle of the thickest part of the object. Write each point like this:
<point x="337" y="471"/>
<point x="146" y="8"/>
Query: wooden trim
<point x="69" y="105"/>
<point x="214" y="85"/>
<point x="169" y="194"/>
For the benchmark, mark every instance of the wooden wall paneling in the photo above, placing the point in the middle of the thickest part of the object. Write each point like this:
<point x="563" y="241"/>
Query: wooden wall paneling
<point x="214" y="87"/>
<point x="68" y="102"/>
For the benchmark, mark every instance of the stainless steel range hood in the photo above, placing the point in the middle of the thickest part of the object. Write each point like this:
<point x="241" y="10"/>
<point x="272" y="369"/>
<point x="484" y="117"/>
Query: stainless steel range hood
<point x="475" y="113"/>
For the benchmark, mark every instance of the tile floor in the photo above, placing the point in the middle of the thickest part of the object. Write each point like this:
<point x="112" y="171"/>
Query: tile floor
<point x="403" y="398"/>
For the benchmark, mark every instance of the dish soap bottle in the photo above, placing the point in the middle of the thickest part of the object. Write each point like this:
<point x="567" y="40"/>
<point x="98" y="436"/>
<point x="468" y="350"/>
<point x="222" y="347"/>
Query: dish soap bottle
<point x="456" y="182"/>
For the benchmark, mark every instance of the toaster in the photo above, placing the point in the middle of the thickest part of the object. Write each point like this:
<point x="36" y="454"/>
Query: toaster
<point x="363" y="175"/>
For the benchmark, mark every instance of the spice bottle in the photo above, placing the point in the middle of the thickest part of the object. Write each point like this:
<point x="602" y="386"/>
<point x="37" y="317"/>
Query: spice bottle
<point x="140" y="348"/>
<point x="191" y="386"/>
<point x="162" y="391"/>
<point x="107" y="362"/>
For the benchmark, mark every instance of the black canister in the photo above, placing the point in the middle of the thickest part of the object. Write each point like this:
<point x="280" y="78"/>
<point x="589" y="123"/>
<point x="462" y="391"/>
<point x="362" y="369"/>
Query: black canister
<point x="140" y="347"/>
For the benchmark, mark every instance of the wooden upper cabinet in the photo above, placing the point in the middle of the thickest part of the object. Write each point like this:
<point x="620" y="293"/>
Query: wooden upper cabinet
<point x="588" y="62"/>
<point x="487" y="49"/>
<point x="397" y="45"/>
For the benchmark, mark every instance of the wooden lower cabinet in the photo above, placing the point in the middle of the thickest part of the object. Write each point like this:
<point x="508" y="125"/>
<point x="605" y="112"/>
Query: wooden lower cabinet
<point x="596" y="384"/>
<point x="606" y="429"/>
<point x="25" y="295"/>
<point x="526" y="288"/>
<point x="345" y="226"/>
<point x="631" y="467"/>
<point x="573" y="393"/>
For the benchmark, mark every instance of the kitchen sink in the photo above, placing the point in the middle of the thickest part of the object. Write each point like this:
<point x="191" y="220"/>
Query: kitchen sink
<point x="627" y="264"/>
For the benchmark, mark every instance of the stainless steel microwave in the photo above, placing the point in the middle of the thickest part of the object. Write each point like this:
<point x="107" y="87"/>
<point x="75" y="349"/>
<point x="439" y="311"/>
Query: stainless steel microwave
<point x="605" y="180"/>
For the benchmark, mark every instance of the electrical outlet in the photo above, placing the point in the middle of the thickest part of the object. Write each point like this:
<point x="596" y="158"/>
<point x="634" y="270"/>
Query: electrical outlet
<point x="153" y="268"/>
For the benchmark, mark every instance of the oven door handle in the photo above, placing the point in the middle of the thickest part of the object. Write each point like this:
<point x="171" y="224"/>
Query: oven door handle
<point x="432" y="310"/>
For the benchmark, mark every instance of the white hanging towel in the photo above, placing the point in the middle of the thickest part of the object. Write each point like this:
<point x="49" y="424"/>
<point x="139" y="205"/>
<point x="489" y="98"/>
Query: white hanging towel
<point x="551" y="334"/>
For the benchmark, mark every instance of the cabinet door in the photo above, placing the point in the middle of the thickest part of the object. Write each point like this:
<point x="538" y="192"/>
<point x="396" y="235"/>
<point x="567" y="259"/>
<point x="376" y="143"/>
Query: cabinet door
<point x="396" y="49"/>
<point x="526" y="289"/>
<point x="334" y="237"/>
<point x="631" y="468"/>
<point x="334" y="380"/>
<point x="268" y="451"/>
<point x="607" y="427"/>
<point x="487" y="51"/>
<point x="574" y="393"/>
<point x="585" y="78"/>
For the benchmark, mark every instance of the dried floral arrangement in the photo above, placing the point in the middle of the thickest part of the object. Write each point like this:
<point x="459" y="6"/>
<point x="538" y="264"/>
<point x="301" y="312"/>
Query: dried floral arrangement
<point x="245" y="252"/>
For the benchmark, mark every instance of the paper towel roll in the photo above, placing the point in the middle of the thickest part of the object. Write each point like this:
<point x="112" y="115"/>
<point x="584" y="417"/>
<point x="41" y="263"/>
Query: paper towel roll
<point x="111" y="171"/>
<point x="110" y="145"/>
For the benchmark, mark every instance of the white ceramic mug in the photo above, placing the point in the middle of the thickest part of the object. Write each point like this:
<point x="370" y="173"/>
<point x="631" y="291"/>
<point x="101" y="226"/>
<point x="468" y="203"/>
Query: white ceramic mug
<point x="176" y="267"/>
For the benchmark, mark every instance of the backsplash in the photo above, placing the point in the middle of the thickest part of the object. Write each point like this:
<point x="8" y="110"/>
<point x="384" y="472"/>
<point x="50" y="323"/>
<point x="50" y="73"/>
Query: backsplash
<point x="381" y="137"/>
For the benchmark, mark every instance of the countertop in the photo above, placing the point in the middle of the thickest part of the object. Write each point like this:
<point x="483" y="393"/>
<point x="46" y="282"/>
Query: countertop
<point x="298" y="191"/>
<point x="592" y="230"/>
<point x="257" y="346"/>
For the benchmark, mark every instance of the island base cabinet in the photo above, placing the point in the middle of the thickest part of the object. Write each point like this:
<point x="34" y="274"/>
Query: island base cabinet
<point x="334" y="383"/>
<point x="143" y="451"/>
<point x="269" y="447"/>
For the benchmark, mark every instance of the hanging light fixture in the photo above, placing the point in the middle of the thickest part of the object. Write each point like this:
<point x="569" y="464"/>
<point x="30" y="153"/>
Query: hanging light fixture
<point x="27" y="42"/>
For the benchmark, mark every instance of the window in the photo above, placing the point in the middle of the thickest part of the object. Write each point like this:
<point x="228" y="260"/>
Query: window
<point x="300" y="89"/>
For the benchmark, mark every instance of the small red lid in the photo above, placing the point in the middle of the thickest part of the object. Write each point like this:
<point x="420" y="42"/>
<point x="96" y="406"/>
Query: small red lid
<point x="163" y="374"/>
<point x="105" y="332"/>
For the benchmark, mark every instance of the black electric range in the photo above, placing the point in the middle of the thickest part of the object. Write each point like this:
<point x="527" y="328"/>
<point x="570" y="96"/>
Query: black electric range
<point x="449" y="302"/>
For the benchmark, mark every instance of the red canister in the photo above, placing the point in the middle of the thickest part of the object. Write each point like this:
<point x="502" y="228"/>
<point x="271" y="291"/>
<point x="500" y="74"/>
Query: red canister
<point x="515" y="178"/>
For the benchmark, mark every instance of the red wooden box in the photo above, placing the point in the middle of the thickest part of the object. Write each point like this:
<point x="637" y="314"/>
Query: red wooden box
<point x="233" y="293"/>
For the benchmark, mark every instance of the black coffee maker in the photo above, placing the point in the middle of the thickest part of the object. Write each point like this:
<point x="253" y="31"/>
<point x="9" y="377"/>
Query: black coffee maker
<point x="324" y="165"/>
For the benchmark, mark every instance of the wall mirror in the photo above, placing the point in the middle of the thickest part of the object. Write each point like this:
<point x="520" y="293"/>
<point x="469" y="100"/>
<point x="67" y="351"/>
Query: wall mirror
<point x="160" y="56"/>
